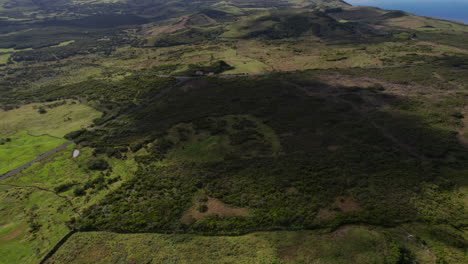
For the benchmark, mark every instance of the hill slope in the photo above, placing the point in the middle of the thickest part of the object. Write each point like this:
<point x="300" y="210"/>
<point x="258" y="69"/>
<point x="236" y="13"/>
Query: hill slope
<point x="292" y="131"/>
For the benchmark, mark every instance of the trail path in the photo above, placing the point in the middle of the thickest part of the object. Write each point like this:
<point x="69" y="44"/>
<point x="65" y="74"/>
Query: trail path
<point x="180" y="79"/>
<point x="43" y="156"/>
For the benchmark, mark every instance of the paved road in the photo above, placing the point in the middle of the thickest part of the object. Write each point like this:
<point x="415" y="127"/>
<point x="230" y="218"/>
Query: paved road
<point x="43" y="156"/>
<point x="180" y="79"/>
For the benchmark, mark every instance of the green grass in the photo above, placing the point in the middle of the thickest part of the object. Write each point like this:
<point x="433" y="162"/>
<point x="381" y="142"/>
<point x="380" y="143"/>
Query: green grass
<point x="57" y="121"/>
<point x="351" y="244"/>
<point x="26" y="134"/>
<point x="4" y="58"/>
<point x="33" y="220"/>
<point x="243" y="64"/>
<point x="428" y="29"/>
<point x="65" y="43"/>
<point x="14" y="50"/>
<point x="23" y="148"/>
<point x="201" y="146"/>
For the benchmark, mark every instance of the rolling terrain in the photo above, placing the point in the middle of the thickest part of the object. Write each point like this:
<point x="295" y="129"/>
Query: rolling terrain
<point x="300" y="131"/>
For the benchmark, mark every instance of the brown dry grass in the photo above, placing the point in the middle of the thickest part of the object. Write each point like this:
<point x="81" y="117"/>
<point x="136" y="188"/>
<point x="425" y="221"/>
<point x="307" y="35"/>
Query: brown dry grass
<point x="181" y="24"/>
<point x="13" y="235"/>
<point x="215" y="207"/>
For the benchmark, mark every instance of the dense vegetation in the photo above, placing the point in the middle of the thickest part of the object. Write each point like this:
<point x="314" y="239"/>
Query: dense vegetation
<point x="416" y="160"/>
<point x="113" y="98"/>
<point x="314" y="116"/>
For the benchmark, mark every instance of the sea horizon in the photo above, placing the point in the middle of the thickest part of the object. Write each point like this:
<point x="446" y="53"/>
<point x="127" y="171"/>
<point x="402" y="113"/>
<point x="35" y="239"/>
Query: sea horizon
<point x="454" y="10"/>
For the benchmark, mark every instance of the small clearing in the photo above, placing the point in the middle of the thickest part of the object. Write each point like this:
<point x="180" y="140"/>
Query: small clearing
<point x="53" y="118"/>
<point x="215" y="207"/>
<point x="343" y="204"/>
<point x="14" y="234"/>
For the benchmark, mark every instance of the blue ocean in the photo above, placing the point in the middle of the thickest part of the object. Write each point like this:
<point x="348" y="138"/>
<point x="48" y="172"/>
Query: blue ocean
<point x="456" y="10"/>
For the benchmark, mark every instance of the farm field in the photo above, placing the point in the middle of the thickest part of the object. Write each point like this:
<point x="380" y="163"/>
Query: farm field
<point x="37" y="203"/>
<point x="34" y="129"/>
<point x="348" y="244"/>
<point x="55" y="119"/>
<point x="22" y="147"/>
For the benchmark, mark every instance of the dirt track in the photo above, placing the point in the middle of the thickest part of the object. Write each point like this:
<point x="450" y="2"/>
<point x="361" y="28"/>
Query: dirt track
<point x="49" y="153"/>
<point x="43" y="156"/>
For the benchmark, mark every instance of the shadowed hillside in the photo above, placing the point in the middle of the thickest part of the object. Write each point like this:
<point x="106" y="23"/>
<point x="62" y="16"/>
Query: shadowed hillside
<point x="278" y="131"/>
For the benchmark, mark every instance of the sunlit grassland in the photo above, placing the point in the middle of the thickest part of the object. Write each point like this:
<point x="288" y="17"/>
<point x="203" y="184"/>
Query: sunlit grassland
<point x="22" y="148"/>
<point x="14" y="50"/>
<point x="248" y="56"/>
<point x="65" y="43"/>
<point x="19" y="243"/>
<point x="33" y="213"/>
<point x="226" y="7"/>
<point x="57" y="121"/>
<point x="441" y="25"/>
<point x="426" y="23"/>
<point x="350" y="244"/>
<point x="36" y="216"/>
<point x="242" y="63"/>
<point x="4" y="58"/>
<point x="26" y="134"/>
<point x="71" y="73"/>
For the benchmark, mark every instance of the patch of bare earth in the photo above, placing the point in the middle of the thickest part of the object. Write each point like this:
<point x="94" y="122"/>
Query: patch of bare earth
<point x="333" y="148"/>
<point x="291" y="190"/>
<point x="214" y="207"/>
<point x="343" y="204"/>
<point x="13" y="235"/>
<point x="343" y="230"/>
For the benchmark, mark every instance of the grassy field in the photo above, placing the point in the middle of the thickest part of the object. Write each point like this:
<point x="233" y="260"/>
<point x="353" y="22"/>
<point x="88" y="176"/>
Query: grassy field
<point x="14" y="50"/>
<point x="349" y="244"/>
<point x="59" y="118"/>
<point x="32" y="218"/>
<point x="36" y="204"/>
<point x="26" y="133"/>
<point x="22" y="148"/>
<point x="4" y="58"/>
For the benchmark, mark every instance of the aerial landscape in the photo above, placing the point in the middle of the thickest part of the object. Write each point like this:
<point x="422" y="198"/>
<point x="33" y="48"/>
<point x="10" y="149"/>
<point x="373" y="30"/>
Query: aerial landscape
<point x="209" y="131"/>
